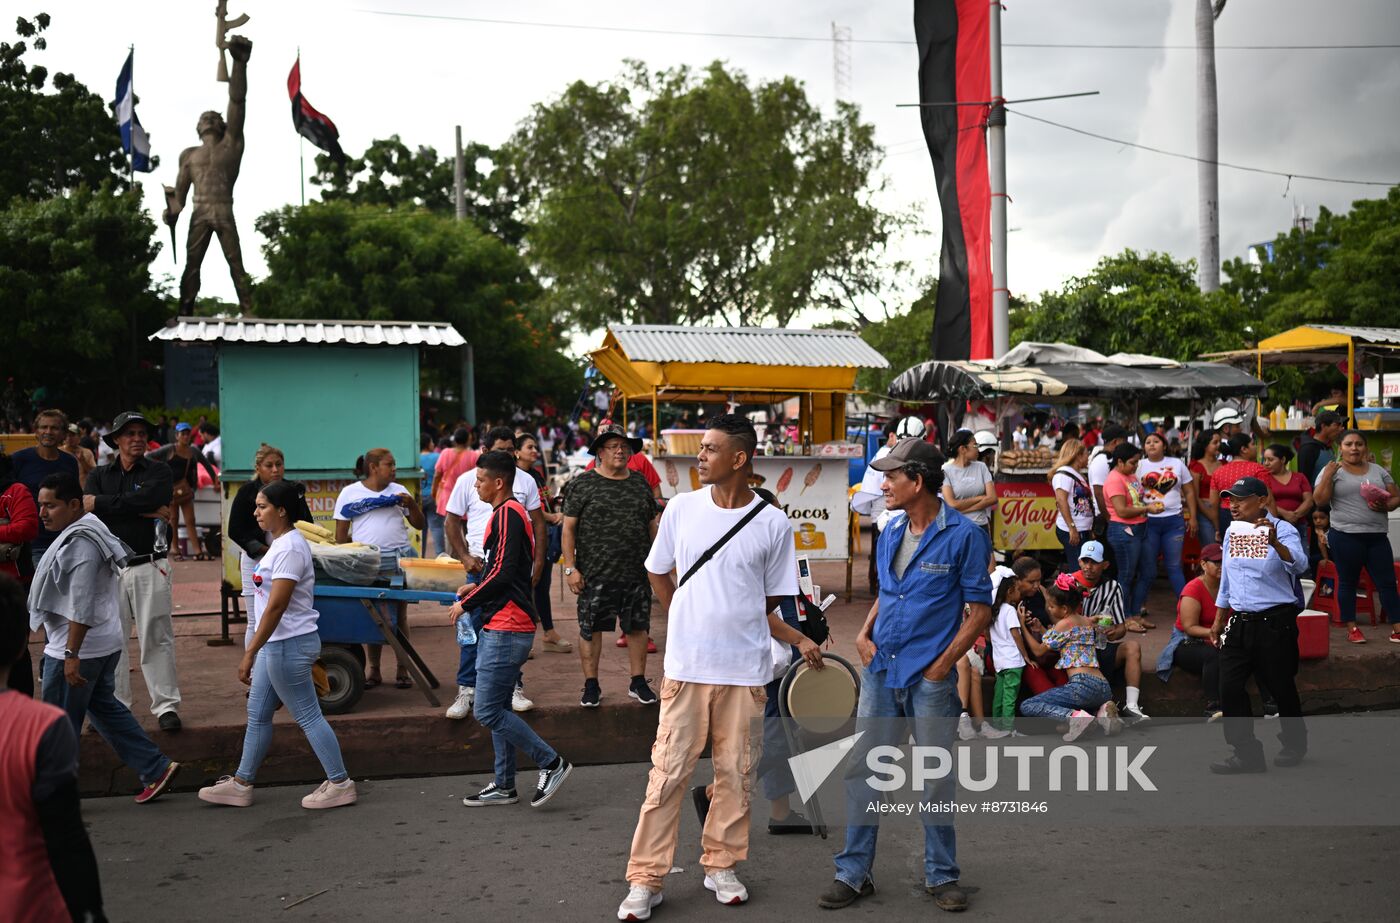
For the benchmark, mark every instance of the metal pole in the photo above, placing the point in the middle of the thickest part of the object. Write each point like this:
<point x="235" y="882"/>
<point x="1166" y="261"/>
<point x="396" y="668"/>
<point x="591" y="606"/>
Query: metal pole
<point x="459" y="180"/>
<point x="996" y="166"/>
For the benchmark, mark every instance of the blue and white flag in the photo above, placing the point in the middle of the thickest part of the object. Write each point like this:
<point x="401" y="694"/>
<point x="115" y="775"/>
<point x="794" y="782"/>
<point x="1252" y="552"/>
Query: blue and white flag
<point x="135" y="141"/>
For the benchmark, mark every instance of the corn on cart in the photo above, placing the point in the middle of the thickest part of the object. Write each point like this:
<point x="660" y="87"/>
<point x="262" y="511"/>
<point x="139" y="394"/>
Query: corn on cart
<point x="804" y="462"/>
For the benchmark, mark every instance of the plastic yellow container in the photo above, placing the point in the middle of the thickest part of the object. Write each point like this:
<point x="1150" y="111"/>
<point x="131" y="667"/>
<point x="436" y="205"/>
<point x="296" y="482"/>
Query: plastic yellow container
<point x="442" y="575"/>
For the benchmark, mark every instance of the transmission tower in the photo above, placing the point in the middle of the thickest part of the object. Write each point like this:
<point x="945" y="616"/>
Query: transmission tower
<point x="841" y="61"/>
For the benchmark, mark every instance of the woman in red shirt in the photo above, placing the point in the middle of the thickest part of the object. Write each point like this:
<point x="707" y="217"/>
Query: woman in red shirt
<point x="1190" y="647"/>
<point x="1292" y="490"/>
<point x="1205" y="459"/>
<point x="1242" y="449"/>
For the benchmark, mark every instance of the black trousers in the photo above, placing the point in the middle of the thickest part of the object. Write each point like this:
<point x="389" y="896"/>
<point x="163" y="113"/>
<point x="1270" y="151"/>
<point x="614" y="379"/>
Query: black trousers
<point x="1197" y="657"/>
<point x="1263" y="645"/>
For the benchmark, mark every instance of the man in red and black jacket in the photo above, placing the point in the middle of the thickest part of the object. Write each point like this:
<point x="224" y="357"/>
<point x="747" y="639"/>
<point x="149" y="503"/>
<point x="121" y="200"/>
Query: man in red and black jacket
<point x="506" y="596"/>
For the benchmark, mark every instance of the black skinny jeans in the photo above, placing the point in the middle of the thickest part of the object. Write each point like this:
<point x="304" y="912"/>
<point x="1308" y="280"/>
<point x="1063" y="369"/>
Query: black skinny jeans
<point x="1198" y="656"/>
<point x="1263" y="645"/>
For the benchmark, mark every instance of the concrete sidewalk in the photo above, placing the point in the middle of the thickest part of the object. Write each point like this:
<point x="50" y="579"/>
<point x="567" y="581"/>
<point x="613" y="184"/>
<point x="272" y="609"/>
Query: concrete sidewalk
<point x="394" y="732"/>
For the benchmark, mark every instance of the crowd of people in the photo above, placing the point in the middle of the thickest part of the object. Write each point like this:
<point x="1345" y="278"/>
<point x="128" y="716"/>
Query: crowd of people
<point x="720" y="564"/>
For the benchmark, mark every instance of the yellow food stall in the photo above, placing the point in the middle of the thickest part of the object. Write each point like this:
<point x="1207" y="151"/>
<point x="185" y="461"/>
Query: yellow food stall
<point x="753" y="368"/>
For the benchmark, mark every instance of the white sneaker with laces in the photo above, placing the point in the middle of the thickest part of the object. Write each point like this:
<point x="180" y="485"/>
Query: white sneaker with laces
<point x="992" y="733"/>
<point x="727" y="887"/>
<point x="518" y="702"/>
<point x="965" y="729"/>
<point x="462" y="705"/>
<point x="1134" y="714"/>
<point x="640" y="900"/>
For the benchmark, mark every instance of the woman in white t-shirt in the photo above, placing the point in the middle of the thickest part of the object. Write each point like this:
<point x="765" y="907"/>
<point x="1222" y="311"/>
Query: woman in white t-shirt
<point x="967" y="482"/>
<point x="358" y="518"/>
<point x="279" y="657"/>
<point x="1074" y="499"/>
<point x="1168" y="481"/>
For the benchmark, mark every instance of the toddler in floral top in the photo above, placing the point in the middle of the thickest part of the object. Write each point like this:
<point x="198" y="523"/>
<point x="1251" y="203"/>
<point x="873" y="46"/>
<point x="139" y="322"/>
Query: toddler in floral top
<point x="1087" y="695"/>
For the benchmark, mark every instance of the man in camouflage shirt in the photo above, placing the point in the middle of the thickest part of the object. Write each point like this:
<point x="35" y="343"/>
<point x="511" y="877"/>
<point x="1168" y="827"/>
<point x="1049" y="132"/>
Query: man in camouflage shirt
<point x="610" y="520"/>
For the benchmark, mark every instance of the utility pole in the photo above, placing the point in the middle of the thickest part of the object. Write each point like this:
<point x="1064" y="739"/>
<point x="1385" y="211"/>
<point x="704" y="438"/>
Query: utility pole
<point x="459" y="197"/>
<point x="1207" y="144"/>
<point x="996" y="169"/>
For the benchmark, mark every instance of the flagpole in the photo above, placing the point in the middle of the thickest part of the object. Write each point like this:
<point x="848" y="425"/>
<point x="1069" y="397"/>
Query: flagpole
<point x="131" y="155"/>
<point x="301" y="147"/>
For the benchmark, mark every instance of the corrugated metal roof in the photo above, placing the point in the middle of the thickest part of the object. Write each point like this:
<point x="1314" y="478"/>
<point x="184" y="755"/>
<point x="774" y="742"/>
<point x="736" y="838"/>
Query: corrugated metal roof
<point x="747" y="345"/>
<point x="348" y="332"/>
<point x="1367" y="334"/>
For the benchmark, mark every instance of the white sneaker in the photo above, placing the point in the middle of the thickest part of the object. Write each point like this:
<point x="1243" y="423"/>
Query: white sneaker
<point x="462" y="705"/>
<point x="1108" y="719"/>
<point x="638" y="904"/>
<point x="518" y="702"/>
<point x="1079" y="722"/>
<point x="992" y="733"/>
<point x="1133" y="714"/>
<point x="727" y="887"/>
<point x="965" y="729"/>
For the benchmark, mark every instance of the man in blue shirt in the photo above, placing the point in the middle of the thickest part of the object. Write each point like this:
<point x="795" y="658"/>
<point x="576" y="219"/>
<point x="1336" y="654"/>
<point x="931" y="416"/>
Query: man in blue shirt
<point x="35" y="463"/>
<point x="1256" y="626"/>
<point x="932" y="562"/>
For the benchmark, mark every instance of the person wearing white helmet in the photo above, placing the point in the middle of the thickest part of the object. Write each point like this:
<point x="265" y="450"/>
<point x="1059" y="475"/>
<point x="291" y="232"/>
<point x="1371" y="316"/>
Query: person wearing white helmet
<point x="868" y="500"/>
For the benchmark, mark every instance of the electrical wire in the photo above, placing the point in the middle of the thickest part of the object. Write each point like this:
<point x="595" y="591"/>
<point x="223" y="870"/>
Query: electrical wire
<point x="1218" y="163"/>
<point x="637" y="30"/>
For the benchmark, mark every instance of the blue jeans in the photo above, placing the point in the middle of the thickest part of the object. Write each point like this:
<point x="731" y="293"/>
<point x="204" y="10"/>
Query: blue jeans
<point x="932" y="708"/>
<point x="434" y="524"/>
<point x="1165" y="536"/>
<point x="1352" y="551"/>
<point x="98" y="702"/>
<point x="1129" y="550"/>
<point x="1205" y="531"/>
<point x="282" y="672"/>
<point x="1084" y="691"/>
<point x="1071" y="548"/>
<point x="499" y="656"/>
<point x="466" y="656"/>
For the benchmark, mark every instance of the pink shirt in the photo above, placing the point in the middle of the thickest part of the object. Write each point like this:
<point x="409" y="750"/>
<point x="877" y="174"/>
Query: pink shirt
<point x="1116" y="485"/>
<point x="450" y="465"/>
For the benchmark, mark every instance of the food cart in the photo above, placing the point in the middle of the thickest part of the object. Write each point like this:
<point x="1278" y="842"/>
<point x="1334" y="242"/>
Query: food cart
<point x="1350" y="349"/>
<point x="323" y="392"/>
<point x="1056" y="373"/>
<point x="756" y="368"/>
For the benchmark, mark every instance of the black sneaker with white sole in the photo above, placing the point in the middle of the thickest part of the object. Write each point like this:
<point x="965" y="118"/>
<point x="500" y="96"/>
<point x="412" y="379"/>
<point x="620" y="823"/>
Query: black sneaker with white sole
<point x="551" y="777"/>
<point x="640" y="691"/>
<point x="592" y="694"/>
<point x="491" y="795"/>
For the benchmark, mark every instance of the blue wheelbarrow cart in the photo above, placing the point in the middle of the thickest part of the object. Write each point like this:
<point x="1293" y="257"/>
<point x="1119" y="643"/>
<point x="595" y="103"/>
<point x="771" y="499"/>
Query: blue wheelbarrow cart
<point x="352" y="616"/>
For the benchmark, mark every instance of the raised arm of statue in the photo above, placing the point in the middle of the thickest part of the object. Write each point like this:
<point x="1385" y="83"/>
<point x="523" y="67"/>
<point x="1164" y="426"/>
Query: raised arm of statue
<point x="239" y="48"/>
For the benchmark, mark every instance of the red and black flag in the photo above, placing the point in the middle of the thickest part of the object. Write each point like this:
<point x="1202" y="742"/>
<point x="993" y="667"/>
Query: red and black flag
<point x="955" y="67"/>
<point x="310" y="124"/>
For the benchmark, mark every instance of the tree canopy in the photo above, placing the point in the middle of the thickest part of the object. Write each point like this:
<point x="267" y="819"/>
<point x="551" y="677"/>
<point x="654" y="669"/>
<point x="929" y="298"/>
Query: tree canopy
<point x="391" y="175"/>
<point x="1138" y="303"/>
<point x="677" y="197"/>
<point x="367" y="262"/>
<point x="51" y="142"/>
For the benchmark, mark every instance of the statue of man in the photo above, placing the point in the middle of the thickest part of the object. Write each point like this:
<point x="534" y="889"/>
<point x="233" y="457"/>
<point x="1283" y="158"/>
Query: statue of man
<point x="213" y="169"/>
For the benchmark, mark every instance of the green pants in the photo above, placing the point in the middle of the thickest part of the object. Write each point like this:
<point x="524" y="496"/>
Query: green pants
<point x="1004" y="697"/>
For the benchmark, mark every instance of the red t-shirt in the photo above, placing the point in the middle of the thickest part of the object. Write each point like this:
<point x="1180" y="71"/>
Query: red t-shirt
<point x="1196" y="589"/>
<point x="640" y="464"/>
<point x="1289" y="496"/>
<point x="450" y="466"/>
<point x="1227" y="474"/>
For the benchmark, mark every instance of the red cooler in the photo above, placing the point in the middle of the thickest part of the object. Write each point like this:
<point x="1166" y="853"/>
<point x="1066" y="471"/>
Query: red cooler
<point x="1313" y="643"/>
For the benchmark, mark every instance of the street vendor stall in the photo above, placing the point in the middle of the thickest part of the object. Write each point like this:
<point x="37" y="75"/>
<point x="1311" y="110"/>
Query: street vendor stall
<point x="1356" y="351"/>
<point x="1036" y="373"/>
<point x="323" y="392"/>
<point x="754" y="368"/>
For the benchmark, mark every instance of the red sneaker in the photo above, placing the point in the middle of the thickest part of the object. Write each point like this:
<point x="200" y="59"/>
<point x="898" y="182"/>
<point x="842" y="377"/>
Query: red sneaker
<point x="1355" y="636"/>
<point x="157" y="788"/>
<point x="651" y="645"/>
<point x="621" y="640"/>
<point x="1395" y="636"/>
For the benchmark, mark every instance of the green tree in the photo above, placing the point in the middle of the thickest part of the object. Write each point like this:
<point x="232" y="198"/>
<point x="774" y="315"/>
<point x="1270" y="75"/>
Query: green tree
<point x="673" y="197"/>
<point x="342" y="260"/>
<point x="391" y="175"/>
<point x="77" y="298"/>
<point x="1134" y="303"/>
<point x="1344" y="270"/>
<point x="51" y="143"/>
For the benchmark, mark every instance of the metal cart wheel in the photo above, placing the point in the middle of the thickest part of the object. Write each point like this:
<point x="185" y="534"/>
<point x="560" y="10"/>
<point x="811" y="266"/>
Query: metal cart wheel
<point x="346" y="675"/>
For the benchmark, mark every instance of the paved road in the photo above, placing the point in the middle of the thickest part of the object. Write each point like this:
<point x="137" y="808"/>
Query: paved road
<point x="410" y="850"/>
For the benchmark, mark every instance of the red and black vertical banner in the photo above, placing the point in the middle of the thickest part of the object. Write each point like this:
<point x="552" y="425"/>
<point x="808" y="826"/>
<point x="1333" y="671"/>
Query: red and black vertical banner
<point x="310" y="124"/>
<point x="955" y="67"/>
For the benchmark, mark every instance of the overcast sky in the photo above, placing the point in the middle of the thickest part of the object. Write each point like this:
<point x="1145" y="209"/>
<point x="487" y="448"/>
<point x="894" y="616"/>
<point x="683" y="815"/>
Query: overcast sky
<point x="1075" y="199"/>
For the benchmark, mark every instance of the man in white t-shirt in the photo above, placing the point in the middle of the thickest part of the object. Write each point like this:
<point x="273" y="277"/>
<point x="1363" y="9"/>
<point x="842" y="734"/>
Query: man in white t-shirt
<point x="718" y="659"/>
<point x="1099" y="466"/>
<point x="465" y="530"/>
<point x="74" y="597"/>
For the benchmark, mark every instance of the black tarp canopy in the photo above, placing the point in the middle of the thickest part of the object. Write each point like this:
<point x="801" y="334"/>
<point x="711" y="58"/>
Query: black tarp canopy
<point x="930" y="382"/>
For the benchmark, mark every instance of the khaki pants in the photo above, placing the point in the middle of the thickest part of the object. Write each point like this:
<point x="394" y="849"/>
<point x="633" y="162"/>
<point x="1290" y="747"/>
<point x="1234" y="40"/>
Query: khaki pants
<point x="145" y="602"/>
<point x="693" y="714"/>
